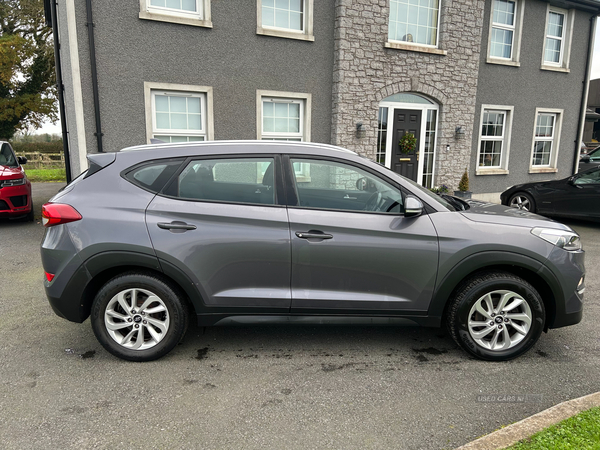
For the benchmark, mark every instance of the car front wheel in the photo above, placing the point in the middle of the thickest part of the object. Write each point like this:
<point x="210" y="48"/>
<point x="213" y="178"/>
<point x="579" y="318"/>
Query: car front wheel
<point x="496" y="316"/>
<point x="138" y="317"/>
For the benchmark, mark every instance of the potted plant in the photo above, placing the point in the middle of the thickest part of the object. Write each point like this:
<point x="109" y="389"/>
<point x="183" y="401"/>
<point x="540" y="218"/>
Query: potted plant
<point x="463" y="187"/>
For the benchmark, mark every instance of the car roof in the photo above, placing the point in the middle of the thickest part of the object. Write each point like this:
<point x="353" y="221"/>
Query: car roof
<point x="214" y="146"/>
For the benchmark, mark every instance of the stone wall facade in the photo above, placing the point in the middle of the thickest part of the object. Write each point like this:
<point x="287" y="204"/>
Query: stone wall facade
<point x="365" y="72"/>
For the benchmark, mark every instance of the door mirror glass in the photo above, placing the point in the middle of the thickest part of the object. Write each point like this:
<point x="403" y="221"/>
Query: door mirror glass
<point x="413" y="207"/>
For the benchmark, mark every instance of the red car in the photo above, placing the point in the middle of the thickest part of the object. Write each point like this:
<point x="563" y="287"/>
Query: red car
<point x="15" y="188"/>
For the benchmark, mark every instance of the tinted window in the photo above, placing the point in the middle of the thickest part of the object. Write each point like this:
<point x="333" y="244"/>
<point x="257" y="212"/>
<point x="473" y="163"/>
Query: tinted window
<point x="154" y="175"/>
<point x="333" y="185"/>
<point x="592" y="177"/>
<point x="247" y="180"/>
<point x="7" y="157"/>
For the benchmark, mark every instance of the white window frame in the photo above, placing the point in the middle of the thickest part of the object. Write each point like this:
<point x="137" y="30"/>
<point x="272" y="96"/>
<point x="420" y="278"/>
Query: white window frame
<point x="305" y="101"/>
<point x="502" y="169"/>
<point x="552" y="166"/>
<point x="305" y="35"/>
<point x="565" y="46"/>
<point x="517" y="29"/>
<point x="413" y="46"/>
<point x="200" y="18"/>
<point x="204" y="92"/>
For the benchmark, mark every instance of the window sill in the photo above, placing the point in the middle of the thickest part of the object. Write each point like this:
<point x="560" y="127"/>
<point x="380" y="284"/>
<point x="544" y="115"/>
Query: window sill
<point x="285" y="34"/>
<point x="175" y="19"/>
<point x="542" y="170"/>
<point x="415" y="48"/>
<point x="482" y="171"/>
<point x="503" y="62"/>
<point x="555" y="68"/>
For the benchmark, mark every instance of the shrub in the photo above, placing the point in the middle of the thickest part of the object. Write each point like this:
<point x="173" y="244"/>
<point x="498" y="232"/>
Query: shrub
<point x="42" y="147"/>
<point x="463" y="185"/>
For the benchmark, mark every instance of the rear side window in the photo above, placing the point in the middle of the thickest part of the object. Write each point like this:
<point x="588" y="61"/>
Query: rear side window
<point x="240" y="180"/>
<point x="154" y="175"/>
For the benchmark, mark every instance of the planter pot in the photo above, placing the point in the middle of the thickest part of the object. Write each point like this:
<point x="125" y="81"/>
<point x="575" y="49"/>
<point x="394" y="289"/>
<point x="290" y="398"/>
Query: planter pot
<point x="462" y="194"/>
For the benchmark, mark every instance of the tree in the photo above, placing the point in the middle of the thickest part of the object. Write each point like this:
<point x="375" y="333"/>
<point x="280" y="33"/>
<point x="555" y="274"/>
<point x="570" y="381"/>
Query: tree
<point x="27" y="78"/>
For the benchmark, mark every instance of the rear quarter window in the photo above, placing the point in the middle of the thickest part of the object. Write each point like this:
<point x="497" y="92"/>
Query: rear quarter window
<point x="153" y="175"/>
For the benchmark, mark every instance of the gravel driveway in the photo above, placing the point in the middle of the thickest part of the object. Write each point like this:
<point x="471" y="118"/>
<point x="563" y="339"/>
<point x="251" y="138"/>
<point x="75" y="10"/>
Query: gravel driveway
<point x="267" y="387"/>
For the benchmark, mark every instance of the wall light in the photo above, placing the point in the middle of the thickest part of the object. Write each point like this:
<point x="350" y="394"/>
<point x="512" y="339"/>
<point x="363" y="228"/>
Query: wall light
<point x="459" y="133"/>
<point x="360" y="130"/>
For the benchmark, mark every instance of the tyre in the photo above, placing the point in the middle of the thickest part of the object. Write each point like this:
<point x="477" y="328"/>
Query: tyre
<point x="496" y="316"/>
<point x="30" y="215"/>
<point x="138" y="317"/>
<point x="522" y="200"/>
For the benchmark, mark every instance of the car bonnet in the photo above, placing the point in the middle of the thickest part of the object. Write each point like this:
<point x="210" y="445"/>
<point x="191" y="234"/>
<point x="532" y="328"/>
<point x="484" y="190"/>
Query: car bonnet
<point x="506" y="215"/>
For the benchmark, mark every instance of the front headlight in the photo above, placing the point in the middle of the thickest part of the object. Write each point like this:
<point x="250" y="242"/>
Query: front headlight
<point x="567" y="240"/>
<point x="15" y="182"/>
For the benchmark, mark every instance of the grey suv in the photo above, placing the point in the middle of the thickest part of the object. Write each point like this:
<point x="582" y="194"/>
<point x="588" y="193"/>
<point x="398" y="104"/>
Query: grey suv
<point x="280" y="232"/>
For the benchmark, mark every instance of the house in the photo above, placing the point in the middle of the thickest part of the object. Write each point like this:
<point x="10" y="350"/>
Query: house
<point x="494" y="87"/>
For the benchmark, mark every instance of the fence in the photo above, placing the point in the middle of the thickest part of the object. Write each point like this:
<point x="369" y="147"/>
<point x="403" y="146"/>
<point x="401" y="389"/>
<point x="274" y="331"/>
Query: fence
<point x="37" y="160"/>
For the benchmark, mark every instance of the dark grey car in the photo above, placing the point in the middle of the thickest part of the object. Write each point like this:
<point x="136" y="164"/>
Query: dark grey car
<point x="279" y="232"/>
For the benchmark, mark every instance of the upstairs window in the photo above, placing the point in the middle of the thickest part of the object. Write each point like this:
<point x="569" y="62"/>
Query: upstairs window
<point x="414" y="22"/>
<point x="186" y="12"/>
<point x="557" y="40"/>
<point x="506" y="23"/>
<point x="285" y="18"/>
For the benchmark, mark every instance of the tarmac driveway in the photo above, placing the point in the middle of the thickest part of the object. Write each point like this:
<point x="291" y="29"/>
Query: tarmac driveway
<point x="267" y="387"/>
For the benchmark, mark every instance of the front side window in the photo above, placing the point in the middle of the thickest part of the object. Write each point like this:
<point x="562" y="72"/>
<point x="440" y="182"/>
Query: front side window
<point x="546" y="137"/>
<point x="179" y="117"/>
<point x="244" y="180"/>
<point x="414" y="21"/>
<point x="339" y="186"/>
<point x="592" y="177"/>
<point x="504" y="15"/>
<point x="7" y="157"/>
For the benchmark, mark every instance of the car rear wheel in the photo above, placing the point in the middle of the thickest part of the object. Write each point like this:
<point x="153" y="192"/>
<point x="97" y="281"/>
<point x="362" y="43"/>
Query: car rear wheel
<point x="496" y="316"/>
<point x="138" y="317"/>
<point x="523" y="201"/>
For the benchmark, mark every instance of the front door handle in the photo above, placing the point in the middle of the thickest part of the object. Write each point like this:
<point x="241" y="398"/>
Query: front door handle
<point x="175" y="226"/>
<point x="313" y="235"/>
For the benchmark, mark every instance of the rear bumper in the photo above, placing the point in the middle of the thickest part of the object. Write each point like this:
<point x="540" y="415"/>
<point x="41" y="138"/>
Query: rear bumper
<point x="15" y="200"/>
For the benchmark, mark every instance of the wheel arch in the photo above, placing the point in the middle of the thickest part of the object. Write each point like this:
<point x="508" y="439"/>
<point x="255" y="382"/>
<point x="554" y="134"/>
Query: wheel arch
<point x="529" y="269"/>
<point x="107" y="265"/>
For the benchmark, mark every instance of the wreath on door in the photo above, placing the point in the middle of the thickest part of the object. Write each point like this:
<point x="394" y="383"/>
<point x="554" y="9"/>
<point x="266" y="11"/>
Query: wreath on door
<point x="407" y="143"/>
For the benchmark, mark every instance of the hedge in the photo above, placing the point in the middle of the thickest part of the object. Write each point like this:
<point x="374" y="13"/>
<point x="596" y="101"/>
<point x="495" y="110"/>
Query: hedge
<point x="41" y="147"/>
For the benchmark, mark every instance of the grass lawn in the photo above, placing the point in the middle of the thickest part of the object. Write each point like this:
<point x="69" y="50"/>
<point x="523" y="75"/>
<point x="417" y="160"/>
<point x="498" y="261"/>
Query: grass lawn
<point x="46" y="174"/>
<point x="581" y="432"/>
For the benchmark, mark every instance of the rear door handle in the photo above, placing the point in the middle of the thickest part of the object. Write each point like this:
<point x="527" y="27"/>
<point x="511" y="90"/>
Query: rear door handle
<point x="175" y="226"/>
<point x="313" y="235"/>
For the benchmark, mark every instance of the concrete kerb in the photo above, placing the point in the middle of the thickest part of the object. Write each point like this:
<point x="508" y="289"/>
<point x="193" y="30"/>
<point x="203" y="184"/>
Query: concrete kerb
<point x="528" y="427"/>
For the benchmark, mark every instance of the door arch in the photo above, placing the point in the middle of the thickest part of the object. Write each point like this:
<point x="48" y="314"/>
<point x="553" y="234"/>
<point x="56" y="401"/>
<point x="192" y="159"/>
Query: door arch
<point x="420" y="114"/>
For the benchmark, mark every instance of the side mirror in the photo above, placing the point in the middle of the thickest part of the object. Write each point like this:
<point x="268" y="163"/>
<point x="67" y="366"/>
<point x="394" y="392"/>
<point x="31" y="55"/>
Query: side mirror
<point x="361" y="184"/>
<point x="412" y="207"/>
<point x="585" y="159"/>
<point x="22" y="160"/>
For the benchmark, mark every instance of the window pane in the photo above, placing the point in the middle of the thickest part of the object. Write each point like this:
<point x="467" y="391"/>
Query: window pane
<point x="343" y="187"/>
<point x="296" y="21"/>
<point x="552" y="53"/>
<point x="248" y="180"/>
<point x="555" y="24"/>
<point x="162" y="103"/>
<point x="268" y="16"/>
<point x="193" y="105"/>
<point x="501" y="44"/>
<point x="179" y="121"/>
<point x="157" y="3"/>
<point x="504" y="12"/>
<point x="490" y="153"/>
<point x="188" y="5"/>
<point x="178" y="104"/>
<point x="282" y="18"/>
<point x="175" y="4"/>
<point x="413" y="21"/>
<point x="162" y="121"/>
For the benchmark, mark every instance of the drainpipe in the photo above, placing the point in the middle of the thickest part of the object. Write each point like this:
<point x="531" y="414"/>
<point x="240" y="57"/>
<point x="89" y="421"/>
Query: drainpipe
<point x="60" y="88"/>
<point x="90" y="26"/>
<point x="586" y="89"/>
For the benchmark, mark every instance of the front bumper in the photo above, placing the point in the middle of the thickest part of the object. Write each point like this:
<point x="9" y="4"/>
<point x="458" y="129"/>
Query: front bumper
<point x="15" y="200"/>
<point x="569" y="268"/>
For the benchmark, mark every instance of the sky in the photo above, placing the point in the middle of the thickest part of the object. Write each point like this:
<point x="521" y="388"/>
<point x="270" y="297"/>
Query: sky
<point x="55" y="128"/>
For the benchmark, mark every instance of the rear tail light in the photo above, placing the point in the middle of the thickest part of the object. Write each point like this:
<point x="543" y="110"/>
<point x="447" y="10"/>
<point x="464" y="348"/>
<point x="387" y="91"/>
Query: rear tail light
<point x="57" y="213"/>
